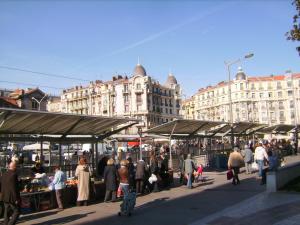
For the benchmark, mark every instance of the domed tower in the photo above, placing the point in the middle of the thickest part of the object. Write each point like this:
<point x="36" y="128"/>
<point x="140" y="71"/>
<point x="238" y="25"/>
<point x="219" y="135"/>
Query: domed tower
<point x="240" y="74"/>
<point x="171" y="80"/>
<point x="139" y="70"/>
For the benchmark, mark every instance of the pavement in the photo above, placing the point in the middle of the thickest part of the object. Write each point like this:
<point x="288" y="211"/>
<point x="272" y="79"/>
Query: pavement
<point x="213" y="202"/>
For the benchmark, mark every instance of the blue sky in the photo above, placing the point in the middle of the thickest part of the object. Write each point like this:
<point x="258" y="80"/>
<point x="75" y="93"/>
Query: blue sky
<point x="96" y="39"/>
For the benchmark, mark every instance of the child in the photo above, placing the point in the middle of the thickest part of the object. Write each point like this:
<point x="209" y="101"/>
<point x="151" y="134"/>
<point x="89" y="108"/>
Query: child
<point x="199" y="173"/>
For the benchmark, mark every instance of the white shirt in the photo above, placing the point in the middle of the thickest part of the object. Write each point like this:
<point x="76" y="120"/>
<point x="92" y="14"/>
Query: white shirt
<point x="260" y="153"/>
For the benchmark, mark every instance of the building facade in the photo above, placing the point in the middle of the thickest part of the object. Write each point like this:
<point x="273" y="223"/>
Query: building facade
<point x="32" y="99"/>
<point x="269" y="100"/>
<point x="139" y="96"/>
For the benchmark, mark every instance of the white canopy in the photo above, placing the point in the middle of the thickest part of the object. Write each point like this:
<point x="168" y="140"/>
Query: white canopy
<point x="36" y="146"/>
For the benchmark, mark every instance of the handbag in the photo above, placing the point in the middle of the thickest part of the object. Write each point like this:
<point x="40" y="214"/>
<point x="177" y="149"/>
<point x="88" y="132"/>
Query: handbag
<point x="254" y="166"/>
<point x="229" y="174"/>
<point x="119" y="192"/>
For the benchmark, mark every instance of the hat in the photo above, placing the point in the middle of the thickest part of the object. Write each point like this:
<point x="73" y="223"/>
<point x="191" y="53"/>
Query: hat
<point x="236" y="149"/>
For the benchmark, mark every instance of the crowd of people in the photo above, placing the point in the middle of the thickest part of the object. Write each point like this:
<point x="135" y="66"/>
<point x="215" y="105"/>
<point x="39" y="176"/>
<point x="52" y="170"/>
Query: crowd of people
<point x="264" y="156"/>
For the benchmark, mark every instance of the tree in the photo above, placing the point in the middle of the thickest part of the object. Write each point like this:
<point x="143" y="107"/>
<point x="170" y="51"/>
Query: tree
<point x="294" y="34"/>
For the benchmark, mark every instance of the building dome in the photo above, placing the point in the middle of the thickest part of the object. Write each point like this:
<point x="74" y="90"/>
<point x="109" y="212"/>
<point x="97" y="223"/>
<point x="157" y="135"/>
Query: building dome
<point x="240" y="74"/>
<point x="139" y="70"/>
<point x="171" y="80"/>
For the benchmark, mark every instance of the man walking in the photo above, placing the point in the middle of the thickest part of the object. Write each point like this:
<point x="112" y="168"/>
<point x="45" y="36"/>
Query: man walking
<point x="11" y="194"/>
<point x="259" y="156"/>
<point x="59" y="185"/>
<point x="189" y="168"/>
<point x="248" y="156"/>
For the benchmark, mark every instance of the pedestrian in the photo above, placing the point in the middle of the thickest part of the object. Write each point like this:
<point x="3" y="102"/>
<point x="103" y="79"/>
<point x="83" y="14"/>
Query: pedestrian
<point x="11" y="195"/>
<point x="140" y="176"/>
<point x="110" y="179"/>
<point x="189" y="168"/>
<point x="259" y="156"/>
<point x="84" y="174"/>
<point x="248" y="157"/>
<point x="154" y="170"/>
<point x="124" y="177"/>
<point x="131" y="173"/>
<point x="273" y="164"/>
<point x="59" y="184"/>
<point x="200" y="173"/>
<point x="235" y="161"/>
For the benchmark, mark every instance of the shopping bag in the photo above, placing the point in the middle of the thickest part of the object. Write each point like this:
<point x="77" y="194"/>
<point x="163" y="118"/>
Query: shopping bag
<point x="254" y="166"/>
<point x="229" y="174"/>
<point x="119" y="192"/>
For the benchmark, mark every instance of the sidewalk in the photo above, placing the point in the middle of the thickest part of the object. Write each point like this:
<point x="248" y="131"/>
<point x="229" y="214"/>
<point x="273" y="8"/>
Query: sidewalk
<point x="215" y="202"/>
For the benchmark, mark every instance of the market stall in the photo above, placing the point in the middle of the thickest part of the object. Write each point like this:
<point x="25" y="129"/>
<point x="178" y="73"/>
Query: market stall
<point x="17" y="125"/>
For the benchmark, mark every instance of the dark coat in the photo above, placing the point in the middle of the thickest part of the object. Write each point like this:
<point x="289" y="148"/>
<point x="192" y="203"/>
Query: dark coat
<point x="10" y="187"/>
<point x="110" y="177"/>
<point x="140" y="170"/>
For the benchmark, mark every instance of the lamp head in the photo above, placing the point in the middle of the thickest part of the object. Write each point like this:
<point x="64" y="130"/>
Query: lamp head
<point x="248" y="55"/>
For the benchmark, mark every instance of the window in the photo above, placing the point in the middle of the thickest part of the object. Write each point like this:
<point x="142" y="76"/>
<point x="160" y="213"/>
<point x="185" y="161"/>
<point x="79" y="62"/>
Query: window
<point x="279" y="85"/>
<point x="126" y="98"/>
<point x="34" y="105"/>
<point x="261" y="95"/>
<point x="241" y="86"/>
<point x="270" y="95"/>
<point x="126" y="108"/>
<point x="290" y="93"/>
<point x="281" y="105"/>
<point x="138" y="86"/>
<point x="253" y="95"/>
<point x="292" y="104"/>
<point x="139" y="98"/>
<point x="289" y="83"/>
<point x="279" y="94"/>
<point x="252" y="87"/>
<point x="167" y="111"/>
<point x="171" y="111"/>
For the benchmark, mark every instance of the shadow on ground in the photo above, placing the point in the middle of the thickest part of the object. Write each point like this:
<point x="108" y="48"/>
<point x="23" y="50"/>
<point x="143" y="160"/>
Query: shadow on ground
<point x="64" y="220"/>
<point x="187" y="209"/>
<point x="36" y="216"/>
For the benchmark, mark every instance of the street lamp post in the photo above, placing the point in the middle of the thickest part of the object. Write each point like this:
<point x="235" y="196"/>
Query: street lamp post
<point x="228" y="64"/>
<point x="39" y="102"/>
<point x="140" y="132"/>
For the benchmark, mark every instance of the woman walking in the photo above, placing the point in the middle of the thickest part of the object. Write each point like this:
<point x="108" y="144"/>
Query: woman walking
<point x="110" y="179"/>
<point x="235" y="161"/>
<point x="84" y="174"/>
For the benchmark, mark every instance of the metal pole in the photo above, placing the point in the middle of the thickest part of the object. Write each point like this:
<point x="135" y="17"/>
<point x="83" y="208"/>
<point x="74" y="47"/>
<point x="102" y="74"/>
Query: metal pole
<point x="230" y="107"/>
<point x="69" y="164"/>
<point x="93" y="156"/>
<point x="41" y="158"/>
<point x="59" y="155"/>
<point x="171" y="161"/>
<point x="97" y="154"/>
<point x="295" y="116"/>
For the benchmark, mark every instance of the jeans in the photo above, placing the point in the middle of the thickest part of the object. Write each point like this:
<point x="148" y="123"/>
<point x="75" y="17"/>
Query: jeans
<point x="125" y="189"/>
<point x="189" y="181"/>
<point x="15" y="213"/>
<point x="59" y="198"/>
<point x="260" y="167"/>
<point x="139" y="186"/>
<point x="235" y="179"/>
<point x="248" y="167"/>
<point x="109" y="193"/>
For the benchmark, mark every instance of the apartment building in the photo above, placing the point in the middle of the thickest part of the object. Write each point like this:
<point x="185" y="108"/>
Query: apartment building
<point x="138" y="96"/>
<point x="270" y="100"/>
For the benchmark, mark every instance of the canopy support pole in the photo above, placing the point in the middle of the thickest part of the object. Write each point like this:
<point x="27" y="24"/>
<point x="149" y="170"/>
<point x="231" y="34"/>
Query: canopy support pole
<point x="41" y="153"/>
<point x="171" y="161"/>
<point x="59" y="155"/>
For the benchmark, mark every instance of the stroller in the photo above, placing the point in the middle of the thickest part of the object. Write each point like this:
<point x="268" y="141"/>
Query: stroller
<point x="128" y="204"/>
